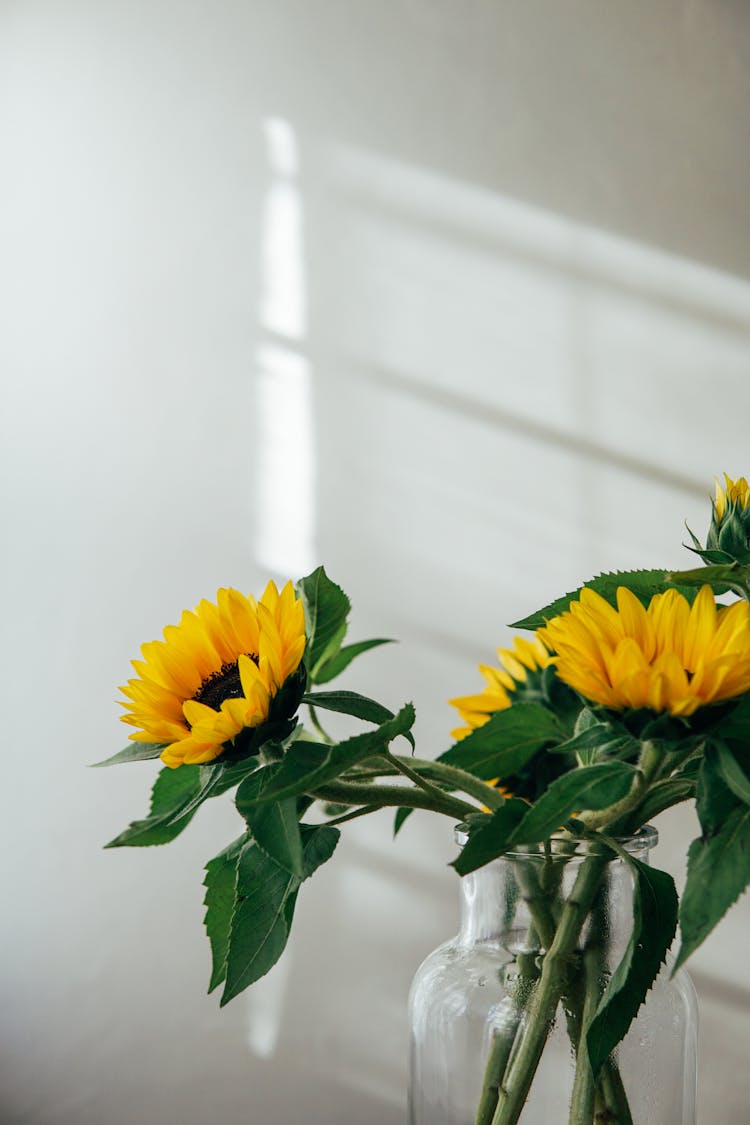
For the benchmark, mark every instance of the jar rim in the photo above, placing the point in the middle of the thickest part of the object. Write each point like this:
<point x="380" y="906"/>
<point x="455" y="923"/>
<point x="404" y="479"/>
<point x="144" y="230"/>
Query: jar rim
<point x="570" y="847"/>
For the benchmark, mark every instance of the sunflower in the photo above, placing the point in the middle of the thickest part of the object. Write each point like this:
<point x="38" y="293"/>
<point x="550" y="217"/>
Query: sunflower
<point x="515" y="664"/>
<point x="670" y="657"/>
<point x="735" y="494"/>
<point x="227" y="668"/>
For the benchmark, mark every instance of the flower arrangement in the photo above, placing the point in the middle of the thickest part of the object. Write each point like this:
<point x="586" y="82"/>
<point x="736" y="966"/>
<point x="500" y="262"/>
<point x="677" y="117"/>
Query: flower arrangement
<point x="620" y="700"/>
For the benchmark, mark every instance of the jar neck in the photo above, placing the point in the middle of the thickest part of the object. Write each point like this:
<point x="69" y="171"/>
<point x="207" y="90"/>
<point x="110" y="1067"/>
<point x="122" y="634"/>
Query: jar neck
<point x="507" y="900"/>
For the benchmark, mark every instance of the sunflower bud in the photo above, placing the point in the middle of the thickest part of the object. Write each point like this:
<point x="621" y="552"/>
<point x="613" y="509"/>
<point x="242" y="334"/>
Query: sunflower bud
<point x="729" y="532"/>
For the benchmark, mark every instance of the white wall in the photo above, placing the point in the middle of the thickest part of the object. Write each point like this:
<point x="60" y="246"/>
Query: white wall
<point x="454" y="298"/>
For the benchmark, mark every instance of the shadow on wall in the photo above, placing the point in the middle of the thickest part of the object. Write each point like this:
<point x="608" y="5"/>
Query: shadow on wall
<point x="439" y="365"/>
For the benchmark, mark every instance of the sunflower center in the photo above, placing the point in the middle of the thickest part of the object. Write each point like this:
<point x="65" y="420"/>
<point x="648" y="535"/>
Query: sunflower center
<point x="221" y="685"/>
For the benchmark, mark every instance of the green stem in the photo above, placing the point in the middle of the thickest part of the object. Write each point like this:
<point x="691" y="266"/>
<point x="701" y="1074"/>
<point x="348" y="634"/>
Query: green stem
<point x="497" y="1061"/>
<point x="403" y="767"/>
<point x="353" y="815"/>
<point x="517" y="1082"/>
<point x="614" y="1096"/>
<point x="537" y="895"/>
<point x="396" y="796"/>
<point x="460" y="779"/>
<point x="503" y="1040"/>
<point x="596" y="820"/>
<point x="605" y="1097"/>
<point x="582" y="1100"/>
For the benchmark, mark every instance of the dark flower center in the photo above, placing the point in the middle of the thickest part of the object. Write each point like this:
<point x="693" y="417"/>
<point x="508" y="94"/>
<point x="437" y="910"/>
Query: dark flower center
<point x="221" y="685"/>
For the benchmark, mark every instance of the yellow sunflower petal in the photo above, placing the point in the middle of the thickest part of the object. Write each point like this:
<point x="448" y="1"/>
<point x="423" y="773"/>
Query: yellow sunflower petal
<point x="670" y="657"/>
<point x="186" y="690"/>
<point x="515" y="664"/>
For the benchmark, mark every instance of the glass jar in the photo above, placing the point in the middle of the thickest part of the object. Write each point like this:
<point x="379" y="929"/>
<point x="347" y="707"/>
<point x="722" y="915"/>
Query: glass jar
<point x="470" y="1003"/>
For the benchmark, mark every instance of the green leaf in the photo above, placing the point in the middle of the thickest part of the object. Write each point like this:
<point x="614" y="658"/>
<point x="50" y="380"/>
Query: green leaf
<point x="349" y="703"/>
<point x="718" y="873"/>
<point x="308" y="765"/>
<point x="274" y="826"/>
<point x="319" y="843"/>
<point x="731" y="771"/>
<point x="590" y="787"/>
<point x="664" y="795"/>
<point x="235" y="772"/>
<point x="134" y="752"/>
<point x="643" y="583"/>
<point x="402" y="815"/>
<point x="506" y="742"/>
<point x="326" y="610"/>
<point x="599" y="740"/>
<point x="490" y="835"/>
<point x="173" y="804"/>
<point x="714" y="799"/>
<point x="210" y="781"/>
<point x="654" y="924"/>
<point x="264" y="908"/>
<point x="342" y="659"/>
<point x="220" y="883"/>
<point x="736" y="725"/>
<point x="303" y="761"/>
<point x="352" y="703"/>
<point x="258" y="931"/>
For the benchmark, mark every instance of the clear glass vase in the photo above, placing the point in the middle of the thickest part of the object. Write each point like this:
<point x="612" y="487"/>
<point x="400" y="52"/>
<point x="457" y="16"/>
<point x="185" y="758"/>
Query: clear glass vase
<point x="474" y="1008"/>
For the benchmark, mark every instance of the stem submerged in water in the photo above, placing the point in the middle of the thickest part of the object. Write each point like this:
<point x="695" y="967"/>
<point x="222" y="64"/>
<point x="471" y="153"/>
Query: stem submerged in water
<point x="517" y="1081"/>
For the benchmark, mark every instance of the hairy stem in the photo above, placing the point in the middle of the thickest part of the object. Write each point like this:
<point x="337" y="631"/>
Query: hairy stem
<point x="397" y="796"/>
<point x="402" y="765"/>
<point x="555" y="968"/>
<point x="453" y="777"/>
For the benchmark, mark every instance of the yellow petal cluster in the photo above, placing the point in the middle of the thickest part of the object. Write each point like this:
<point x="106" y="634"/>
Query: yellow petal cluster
<point x="670" y="657"/>
<point x="527" y="655"/>
<point x="734" y="493"/>
<point x="216" y="673"/>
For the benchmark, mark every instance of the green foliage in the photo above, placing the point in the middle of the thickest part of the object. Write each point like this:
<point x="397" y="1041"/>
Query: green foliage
<point x="221" y="891"/>
<point x="176" y="797"/>
<point x="258" y="930"/>
<point x="319" y="843"/>
<point x="735" y="727"/>
<point x="643" y="583"/>
<point x="352" y="703"/>
<point x="590" y="787"/>
<point x="729" y="769"/>
<point x="718" y="873"/>
<point x="402" y="815"/>
<point x="719" y="860"/>
<point x="595" y="740"/>
<point x="309" y="765"/>
<point x="349" y="703"/>
<point x="664" y="795"/>
<point x="174" y="800"/>
<point x="506" y="742"/>
<point x="489" y="836"/>
<point x="232" y="773"/>
<point x="654" y="924"/>
<point x="326" y="611"/>
<point x="341" y="660"/>
<point x="266" y="894"/>
<point x="714" y="799"/>
<point x="708" y="554"/>
<point x="273" y="825"/>
<point x="729" y="537"/>
<point x="517" y="823"/>
<point x="134" y="752"/>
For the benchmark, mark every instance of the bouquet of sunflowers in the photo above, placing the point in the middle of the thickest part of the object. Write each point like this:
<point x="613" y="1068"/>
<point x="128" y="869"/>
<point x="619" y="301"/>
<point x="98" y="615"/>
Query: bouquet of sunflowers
<point x="624" y="698"/>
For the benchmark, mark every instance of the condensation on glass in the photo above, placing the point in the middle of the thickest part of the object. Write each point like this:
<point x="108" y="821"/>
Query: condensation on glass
<point x="465" y="994"/>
